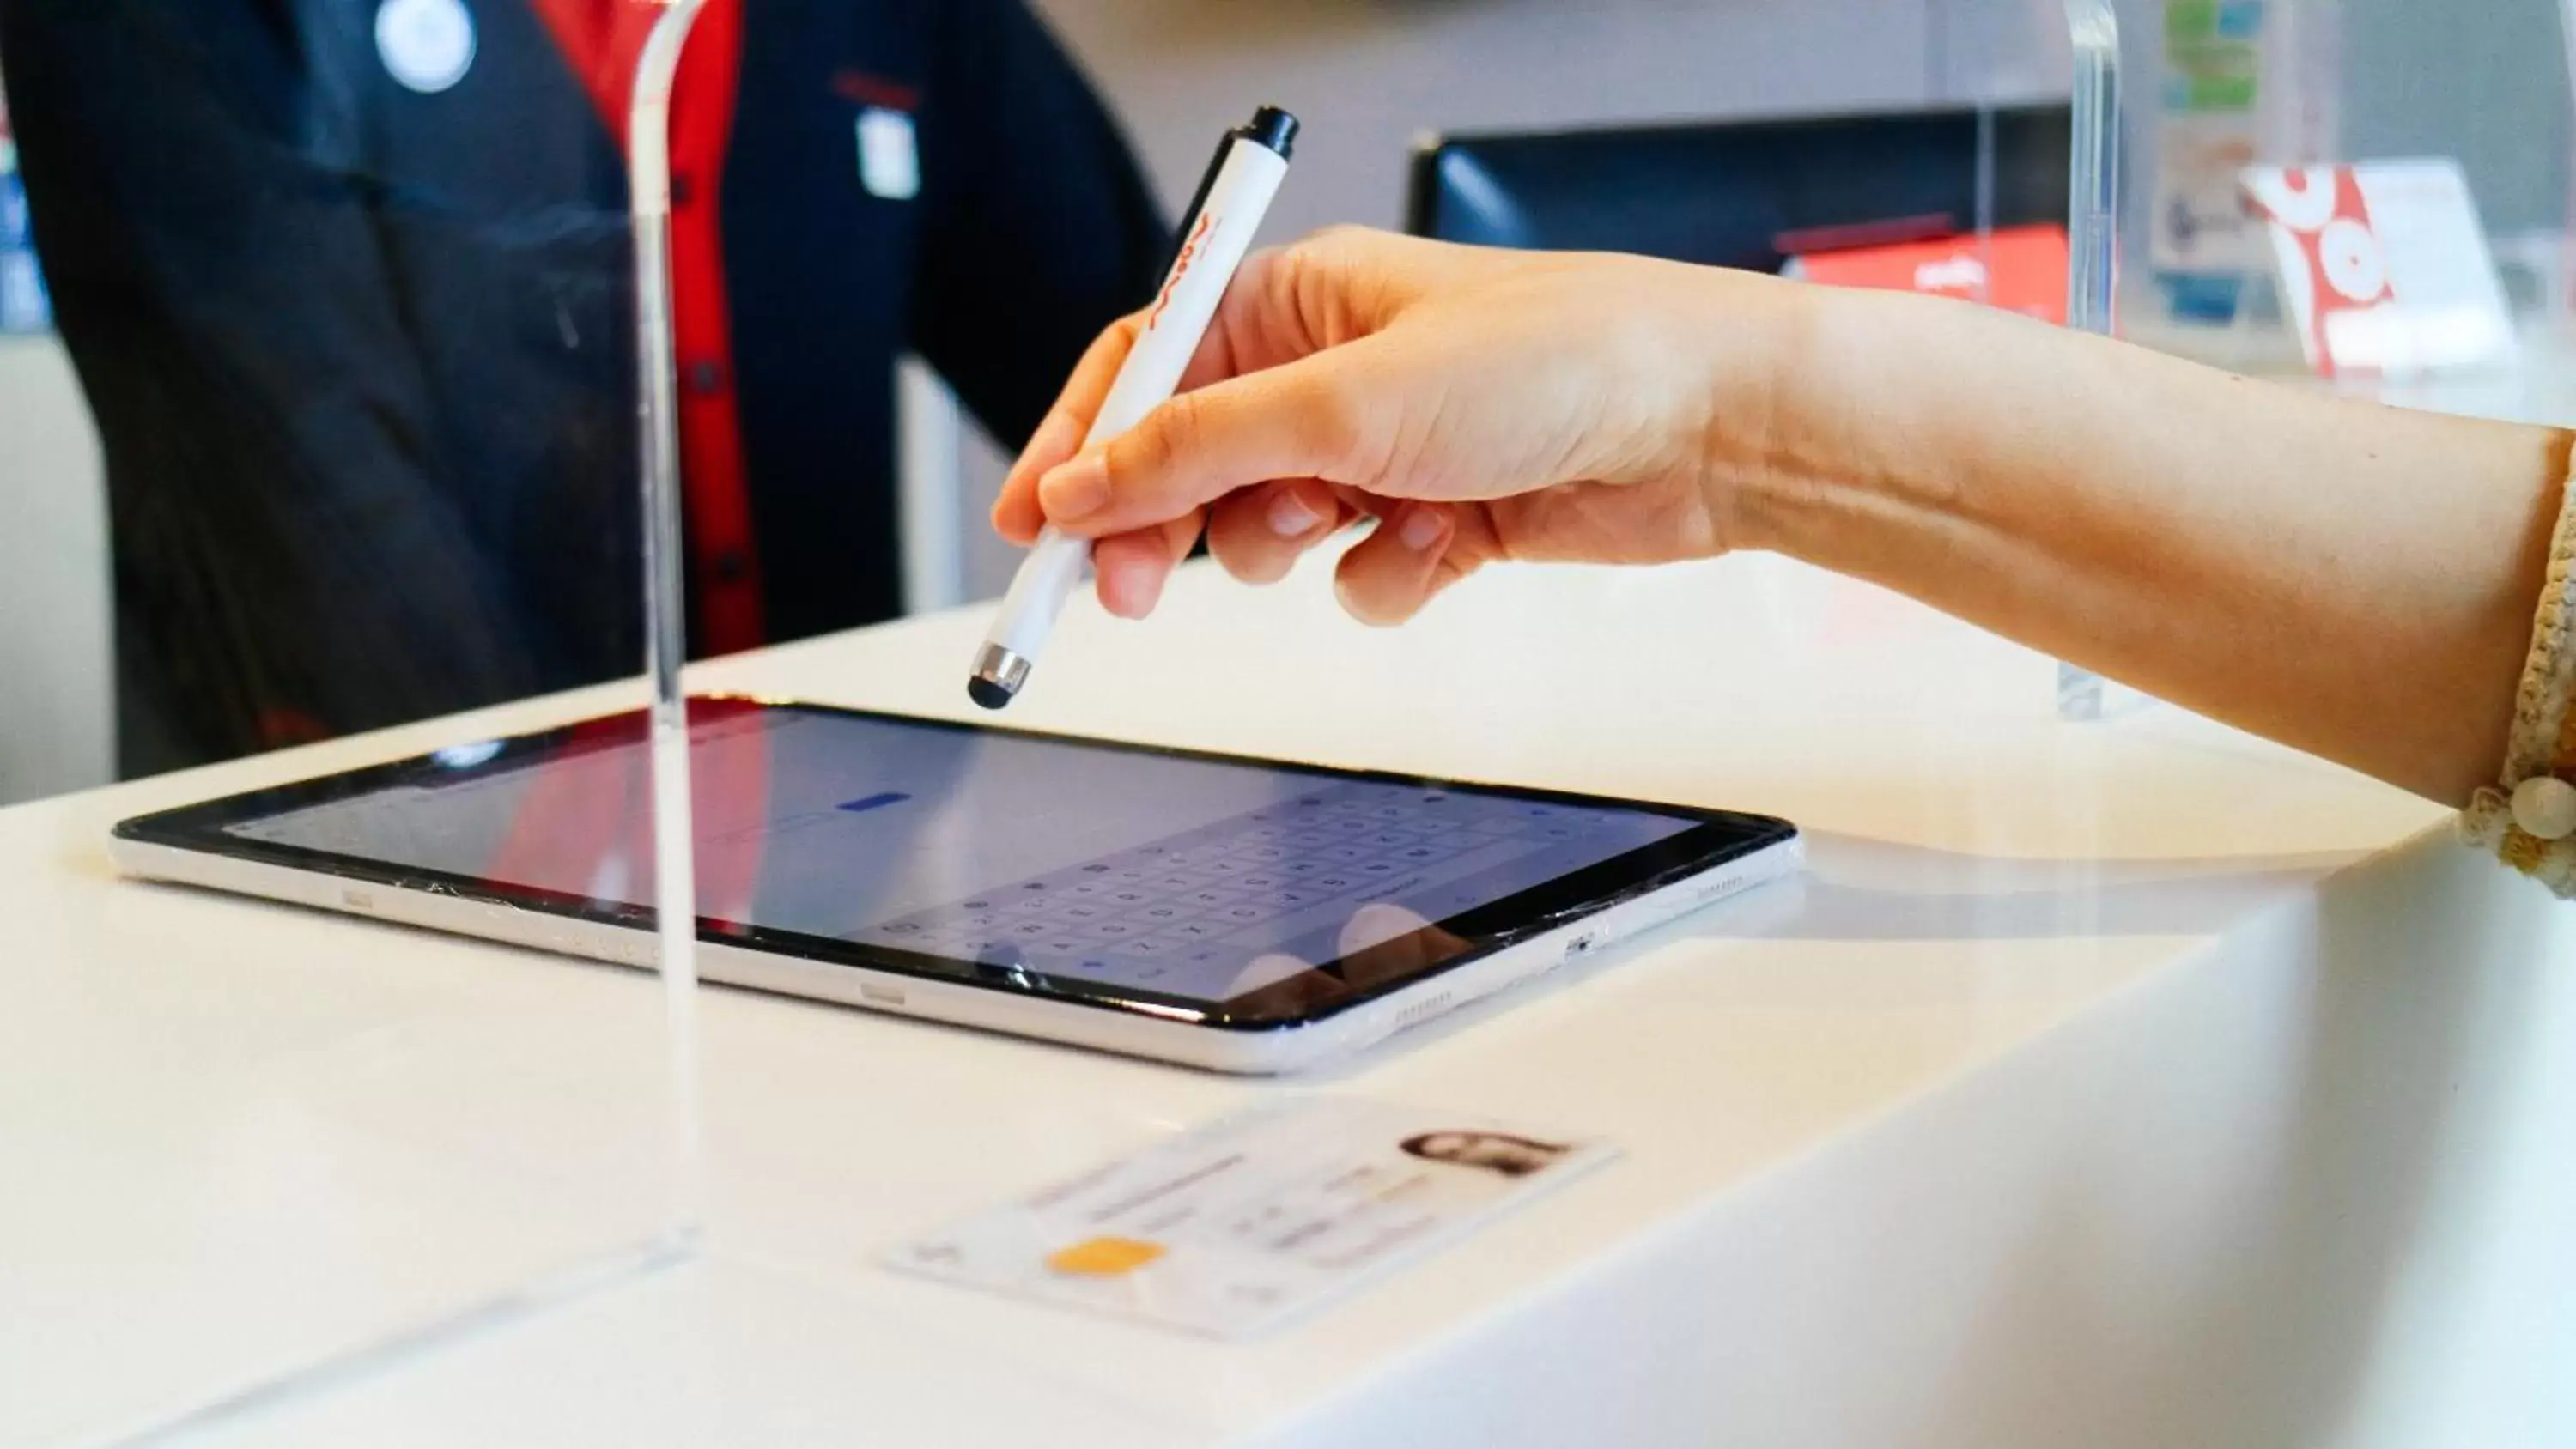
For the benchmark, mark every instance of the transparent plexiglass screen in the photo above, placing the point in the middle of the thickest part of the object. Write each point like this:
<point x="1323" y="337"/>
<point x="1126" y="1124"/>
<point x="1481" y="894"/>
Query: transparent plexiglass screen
<point x="2215" y="87"/>
<point x="320" y="451"/>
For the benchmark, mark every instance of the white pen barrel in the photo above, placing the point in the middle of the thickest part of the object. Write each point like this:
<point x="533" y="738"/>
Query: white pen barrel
<point x="1219" y="233"/>
<point x="1047" y="578"/>
<point x="1203" y="269"/>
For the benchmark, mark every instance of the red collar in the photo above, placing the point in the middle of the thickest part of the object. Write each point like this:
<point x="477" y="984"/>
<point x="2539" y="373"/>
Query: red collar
<point x="602" y="39"/>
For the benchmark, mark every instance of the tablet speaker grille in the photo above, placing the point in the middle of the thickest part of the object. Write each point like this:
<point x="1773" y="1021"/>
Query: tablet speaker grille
<point x="1420" y="1009"/>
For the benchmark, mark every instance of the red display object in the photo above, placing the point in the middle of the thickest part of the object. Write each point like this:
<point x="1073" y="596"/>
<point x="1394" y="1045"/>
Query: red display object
<point x="2020" y="269"/>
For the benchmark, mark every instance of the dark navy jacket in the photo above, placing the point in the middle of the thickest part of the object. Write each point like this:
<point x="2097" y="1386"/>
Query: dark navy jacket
<point x="362" y="356"/>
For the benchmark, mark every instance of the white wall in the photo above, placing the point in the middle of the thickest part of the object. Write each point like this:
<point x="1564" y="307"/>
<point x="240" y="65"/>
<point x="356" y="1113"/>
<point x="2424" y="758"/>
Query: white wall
<point x="1367" y="75"/>
<point x="56" y="719"/>
<point x="2493" y="94"/>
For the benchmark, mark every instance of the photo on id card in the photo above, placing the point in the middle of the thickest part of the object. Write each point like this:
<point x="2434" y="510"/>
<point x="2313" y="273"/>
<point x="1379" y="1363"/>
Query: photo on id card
<point x="1234" y="1228"/>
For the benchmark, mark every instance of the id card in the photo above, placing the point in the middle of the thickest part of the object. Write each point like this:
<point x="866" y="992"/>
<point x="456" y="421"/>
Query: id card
<point x="1237" y="1227"/>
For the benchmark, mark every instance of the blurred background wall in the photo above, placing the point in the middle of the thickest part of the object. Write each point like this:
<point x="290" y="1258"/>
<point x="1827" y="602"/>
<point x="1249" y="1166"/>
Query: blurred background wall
<point x="1369" y="74"/>
<point x="54" y="702"/>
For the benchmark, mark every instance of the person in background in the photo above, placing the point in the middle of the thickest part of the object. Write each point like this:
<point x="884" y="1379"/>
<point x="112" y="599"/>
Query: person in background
<point x="349" y="285"/>
<point x="2358" y="581"/>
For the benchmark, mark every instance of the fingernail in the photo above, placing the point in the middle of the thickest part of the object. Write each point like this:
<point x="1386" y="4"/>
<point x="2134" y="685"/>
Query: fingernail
<point x="1076" y="489"/>
<point x="1292" y="516"/>
<point x="1422" y="528"/>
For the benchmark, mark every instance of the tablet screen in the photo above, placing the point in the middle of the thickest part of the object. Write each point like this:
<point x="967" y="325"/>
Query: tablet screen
<point x="1194" y="879"/>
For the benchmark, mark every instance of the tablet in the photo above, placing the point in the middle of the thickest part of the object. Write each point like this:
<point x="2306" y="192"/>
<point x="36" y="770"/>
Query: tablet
<point x="1244" y="915"/>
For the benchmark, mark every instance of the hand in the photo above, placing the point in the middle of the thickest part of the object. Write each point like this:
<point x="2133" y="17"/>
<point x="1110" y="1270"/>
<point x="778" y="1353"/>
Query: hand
<point x="1478" y="404"/>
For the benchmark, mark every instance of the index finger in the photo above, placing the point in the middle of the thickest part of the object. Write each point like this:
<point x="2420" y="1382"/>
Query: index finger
<point x="1256" y="326"/>
<point x="1016" y="515"/>
<point x="1305" y="419"/>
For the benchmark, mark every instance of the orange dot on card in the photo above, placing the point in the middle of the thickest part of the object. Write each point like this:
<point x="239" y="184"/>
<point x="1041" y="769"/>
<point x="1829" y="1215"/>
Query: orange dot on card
<point x="1104" y="1257"/>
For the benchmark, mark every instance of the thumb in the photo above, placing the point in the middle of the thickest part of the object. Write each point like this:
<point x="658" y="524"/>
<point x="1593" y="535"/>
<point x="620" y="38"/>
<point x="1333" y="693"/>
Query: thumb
<point x="1311" y="418"/>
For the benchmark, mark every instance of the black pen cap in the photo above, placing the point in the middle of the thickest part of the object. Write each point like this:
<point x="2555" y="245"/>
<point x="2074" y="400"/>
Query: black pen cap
<point x="1273" y="128"/>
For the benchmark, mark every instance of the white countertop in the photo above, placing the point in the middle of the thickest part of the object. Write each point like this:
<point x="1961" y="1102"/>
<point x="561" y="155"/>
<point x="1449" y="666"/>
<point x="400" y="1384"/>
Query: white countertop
<point x="2099" y="1083"/>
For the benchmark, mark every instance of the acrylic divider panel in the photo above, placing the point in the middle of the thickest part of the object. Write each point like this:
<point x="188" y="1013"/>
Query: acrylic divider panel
<point x="341" y="426"/>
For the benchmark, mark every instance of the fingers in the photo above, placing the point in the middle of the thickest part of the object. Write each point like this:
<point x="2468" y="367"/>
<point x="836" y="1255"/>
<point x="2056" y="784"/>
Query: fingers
<point x="1292" y="381"/>
<point x="1306" y="419"/>
<point x="1388" y="576"/>
<point x="1259" y="533"/>
<point x="1016" y="515"/>
<point x="1132" y="568"/>
<point x="1258" y="326"/>
<point x="1417" y="550"/>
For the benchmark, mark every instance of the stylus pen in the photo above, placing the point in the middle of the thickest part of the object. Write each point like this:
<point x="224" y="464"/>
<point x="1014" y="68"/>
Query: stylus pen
<point x="1215" y="235"/>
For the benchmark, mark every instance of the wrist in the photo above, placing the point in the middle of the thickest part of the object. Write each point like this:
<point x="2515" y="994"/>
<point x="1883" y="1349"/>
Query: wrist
<point x="1783" y="402"/>
<point x="1861" y="429"/>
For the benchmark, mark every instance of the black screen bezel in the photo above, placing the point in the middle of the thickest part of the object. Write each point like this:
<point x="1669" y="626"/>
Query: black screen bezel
<point x="1322" y="991"/>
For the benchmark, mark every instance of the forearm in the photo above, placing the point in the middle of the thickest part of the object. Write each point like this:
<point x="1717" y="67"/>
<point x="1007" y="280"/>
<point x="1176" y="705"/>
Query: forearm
<point x="2354" y="580"/>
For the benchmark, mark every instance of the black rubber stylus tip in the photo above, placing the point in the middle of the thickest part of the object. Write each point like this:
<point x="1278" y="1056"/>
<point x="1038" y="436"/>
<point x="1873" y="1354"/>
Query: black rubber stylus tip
<point x="988" y="694"/>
